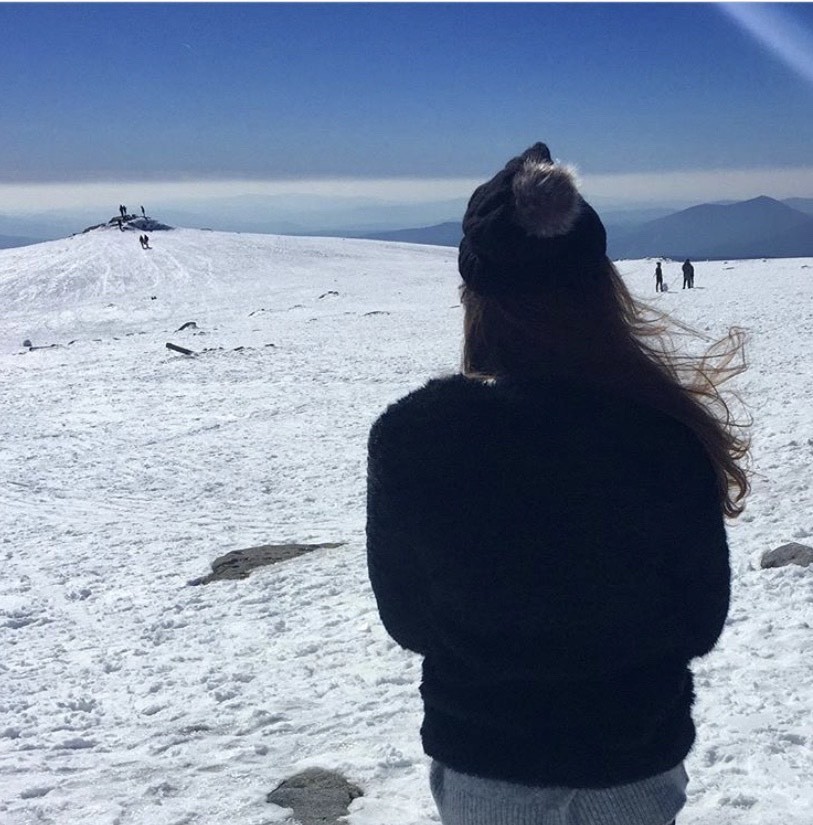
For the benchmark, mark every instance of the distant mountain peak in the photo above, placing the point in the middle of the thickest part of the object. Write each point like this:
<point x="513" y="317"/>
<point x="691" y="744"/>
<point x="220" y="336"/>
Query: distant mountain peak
<point x="760" y="227"/>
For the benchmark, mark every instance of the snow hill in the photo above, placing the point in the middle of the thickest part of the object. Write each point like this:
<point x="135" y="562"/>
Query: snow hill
<point x="129" y="697"/>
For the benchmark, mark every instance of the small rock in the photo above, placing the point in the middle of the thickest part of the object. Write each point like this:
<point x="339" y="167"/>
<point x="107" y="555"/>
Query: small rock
<point x="182" y="350"/>
<point x="239" y="563"/>
<point x="785" y="554"/>
<point x="27" y="342"/>
<point x="187" y="325"/>
<point x="316" y="796"/>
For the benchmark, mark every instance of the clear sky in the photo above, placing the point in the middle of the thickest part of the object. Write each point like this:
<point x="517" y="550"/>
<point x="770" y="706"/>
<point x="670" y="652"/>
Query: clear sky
<point x="262" y="92"/>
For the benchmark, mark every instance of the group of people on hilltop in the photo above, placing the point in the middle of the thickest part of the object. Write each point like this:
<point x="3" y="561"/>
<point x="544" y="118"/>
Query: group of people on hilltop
<point x="688" y="276"/>
<point x="123" y="211"/>
<point x="144" y="240"/>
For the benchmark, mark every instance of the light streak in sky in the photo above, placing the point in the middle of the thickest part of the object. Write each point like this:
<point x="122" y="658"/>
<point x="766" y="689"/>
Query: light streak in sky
<point x="775" y="28"/>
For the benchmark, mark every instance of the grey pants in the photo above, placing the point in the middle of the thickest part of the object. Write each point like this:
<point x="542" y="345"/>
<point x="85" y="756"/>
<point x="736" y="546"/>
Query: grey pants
<point x="471" y="800"/>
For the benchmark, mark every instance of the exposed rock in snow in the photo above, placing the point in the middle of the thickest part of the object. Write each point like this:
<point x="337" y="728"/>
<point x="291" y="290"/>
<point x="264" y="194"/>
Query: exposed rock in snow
<point x="146" y="225"/>
<point x="239" y="563"/>
<point x="130" y="223"/>
<point x="317" y="796"/>
<point x="785" y="554"/>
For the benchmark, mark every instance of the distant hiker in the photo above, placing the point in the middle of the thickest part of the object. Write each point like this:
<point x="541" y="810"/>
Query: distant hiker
<point x="120" y="224"/>
<point x="146" y="241"/>
<point x="122" y="210"/>
<point x="688" y="274"/>
<point x="143" y="213"/>
<point x="658" y="277"/>
<point x="142" y="241"/>
<point x="520" y="536"/>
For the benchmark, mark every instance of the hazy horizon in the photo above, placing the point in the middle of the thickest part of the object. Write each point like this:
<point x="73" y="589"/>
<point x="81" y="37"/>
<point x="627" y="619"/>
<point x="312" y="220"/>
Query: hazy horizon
<point x="297" y="207"/>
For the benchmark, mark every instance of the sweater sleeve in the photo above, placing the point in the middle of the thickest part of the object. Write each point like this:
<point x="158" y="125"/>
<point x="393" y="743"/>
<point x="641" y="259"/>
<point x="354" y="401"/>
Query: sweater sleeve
<point x="707" y="592"/>
<point x="392" y="561"/>
<point x="702" y="573"/>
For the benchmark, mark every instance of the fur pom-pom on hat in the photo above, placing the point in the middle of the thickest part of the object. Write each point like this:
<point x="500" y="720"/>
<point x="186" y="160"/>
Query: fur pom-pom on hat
<point x="546" y="200"/>
<point x="528" y="228"/>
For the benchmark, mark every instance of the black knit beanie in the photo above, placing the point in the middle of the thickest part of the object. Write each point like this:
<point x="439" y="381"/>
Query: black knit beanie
<point x="528" y="227"/>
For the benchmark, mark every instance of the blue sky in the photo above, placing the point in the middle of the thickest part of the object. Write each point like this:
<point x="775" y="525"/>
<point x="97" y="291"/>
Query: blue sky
<point x="638" y="95"/>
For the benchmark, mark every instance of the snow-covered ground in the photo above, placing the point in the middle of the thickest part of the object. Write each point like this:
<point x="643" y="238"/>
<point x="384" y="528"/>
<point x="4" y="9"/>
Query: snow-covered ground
<point x="127" y="696"/>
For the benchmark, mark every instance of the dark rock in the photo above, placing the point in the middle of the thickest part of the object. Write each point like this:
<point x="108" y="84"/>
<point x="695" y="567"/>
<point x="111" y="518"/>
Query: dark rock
<point x="27" y="342"/>
<point x="239" y="563"/>
<point x="329" y="292"/>
<point x="131" y="222"/>
<point x="187" y="325"/>
<point x="182" y="350"/>
<point x="785" y="554"/>
<point x="316" y="796"/>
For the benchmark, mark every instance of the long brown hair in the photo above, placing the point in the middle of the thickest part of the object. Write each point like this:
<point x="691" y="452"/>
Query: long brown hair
<point x="596" y="332"/>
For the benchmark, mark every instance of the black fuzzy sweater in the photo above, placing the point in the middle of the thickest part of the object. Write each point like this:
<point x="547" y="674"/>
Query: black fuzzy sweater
<point x="558" y="556"/>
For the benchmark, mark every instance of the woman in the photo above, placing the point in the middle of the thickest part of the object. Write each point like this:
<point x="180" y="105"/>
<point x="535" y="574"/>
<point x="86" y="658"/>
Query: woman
<point x="546" y="528"/>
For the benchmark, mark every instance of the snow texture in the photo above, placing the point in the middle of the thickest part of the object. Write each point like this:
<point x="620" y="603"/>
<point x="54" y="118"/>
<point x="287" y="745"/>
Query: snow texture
<point x="129" y="697"/>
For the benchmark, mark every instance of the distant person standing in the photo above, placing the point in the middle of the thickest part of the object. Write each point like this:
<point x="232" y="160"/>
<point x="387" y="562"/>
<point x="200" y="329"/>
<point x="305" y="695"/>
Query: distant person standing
<point x="658" y="277"/>
<point x="143" y="213"/>
<point x="688" y="274"/>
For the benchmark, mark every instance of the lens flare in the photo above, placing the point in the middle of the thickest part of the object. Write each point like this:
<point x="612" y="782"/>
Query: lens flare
<point x="779" y="32"/>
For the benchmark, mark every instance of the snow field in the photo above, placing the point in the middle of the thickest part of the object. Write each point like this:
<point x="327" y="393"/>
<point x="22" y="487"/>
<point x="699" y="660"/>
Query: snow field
<point x="128" y="697"/>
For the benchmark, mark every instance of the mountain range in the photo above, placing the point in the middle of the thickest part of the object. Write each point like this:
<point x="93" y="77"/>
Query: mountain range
<point x="762" y="227"/>
<point x="758" y="228"/>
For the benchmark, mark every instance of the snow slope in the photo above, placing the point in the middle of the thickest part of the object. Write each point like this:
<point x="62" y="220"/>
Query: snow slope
<point x="127" y="696"/>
